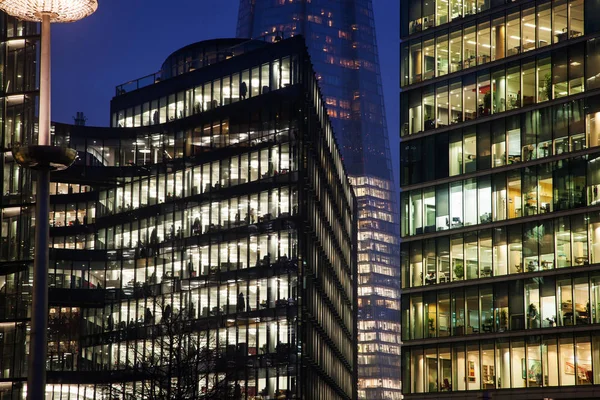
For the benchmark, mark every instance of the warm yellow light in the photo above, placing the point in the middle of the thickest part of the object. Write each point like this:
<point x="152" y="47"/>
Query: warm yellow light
<point x="58" y="10"/>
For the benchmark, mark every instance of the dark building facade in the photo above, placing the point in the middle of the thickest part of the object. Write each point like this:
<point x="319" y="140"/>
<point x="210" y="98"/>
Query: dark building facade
<point x="217" y="203"/>
<point x="19" y="53"/>
<point x="341" y="40"/>
<point x="499" y="178"/>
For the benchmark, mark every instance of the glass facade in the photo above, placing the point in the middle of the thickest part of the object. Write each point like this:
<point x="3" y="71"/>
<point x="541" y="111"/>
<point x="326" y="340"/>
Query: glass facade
<point x="533" y="361"/>
<point x="514" y="31"/>
<point x="526" y="83"/>
<point x="19" y="57"/>
<point x="224" y="229"/>
<point x="499" y="146"/>
<point x="543" y="134"/>
<point x="341" y="41"/>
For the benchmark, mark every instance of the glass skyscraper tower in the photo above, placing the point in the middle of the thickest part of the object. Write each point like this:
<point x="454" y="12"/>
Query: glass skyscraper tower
<point x="340" y="36"/>
<point x="500" y="173"/>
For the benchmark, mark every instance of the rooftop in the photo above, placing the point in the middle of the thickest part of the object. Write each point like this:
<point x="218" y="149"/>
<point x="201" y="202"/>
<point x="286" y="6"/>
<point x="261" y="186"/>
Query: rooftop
<point x="192" y="57"/>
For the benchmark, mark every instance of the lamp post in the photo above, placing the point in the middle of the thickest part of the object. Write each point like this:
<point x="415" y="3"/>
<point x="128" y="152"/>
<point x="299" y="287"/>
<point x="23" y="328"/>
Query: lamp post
<point x="43" y="158"/>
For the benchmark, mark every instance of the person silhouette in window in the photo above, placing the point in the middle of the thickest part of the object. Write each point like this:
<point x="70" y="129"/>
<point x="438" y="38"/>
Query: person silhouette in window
<point x="243" y="90"/>
<point x="241" y="304"/>
<point x="148" y="317"/>
<point x="167" y="313"/>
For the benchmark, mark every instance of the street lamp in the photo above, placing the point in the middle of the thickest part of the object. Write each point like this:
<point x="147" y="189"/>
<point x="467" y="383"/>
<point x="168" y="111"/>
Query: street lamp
<point x="43" y="158"/>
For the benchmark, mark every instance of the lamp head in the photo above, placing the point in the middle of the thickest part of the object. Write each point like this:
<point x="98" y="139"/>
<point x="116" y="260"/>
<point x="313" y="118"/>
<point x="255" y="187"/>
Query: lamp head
<point x="58" y="10"/>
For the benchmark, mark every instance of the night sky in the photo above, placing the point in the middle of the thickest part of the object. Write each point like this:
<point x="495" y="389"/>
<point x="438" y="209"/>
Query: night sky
<point x="125" y="40"/>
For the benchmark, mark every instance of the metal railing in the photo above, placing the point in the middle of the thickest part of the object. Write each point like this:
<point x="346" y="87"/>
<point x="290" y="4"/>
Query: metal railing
<point x="188" y="66"/>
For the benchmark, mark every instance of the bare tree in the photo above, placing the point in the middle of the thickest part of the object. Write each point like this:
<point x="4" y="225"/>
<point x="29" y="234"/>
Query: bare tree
<point x="174" y="362"/>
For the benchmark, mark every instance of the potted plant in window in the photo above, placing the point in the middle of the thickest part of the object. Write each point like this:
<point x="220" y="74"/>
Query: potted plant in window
<point x="459" y="270"/>
<point x="487" y="103"/>
<point x="548" y="86"/>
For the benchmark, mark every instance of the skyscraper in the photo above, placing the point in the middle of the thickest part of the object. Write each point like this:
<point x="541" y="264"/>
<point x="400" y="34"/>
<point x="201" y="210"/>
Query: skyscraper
<point x="340" y="36"/>
<point x="500" y="170"/>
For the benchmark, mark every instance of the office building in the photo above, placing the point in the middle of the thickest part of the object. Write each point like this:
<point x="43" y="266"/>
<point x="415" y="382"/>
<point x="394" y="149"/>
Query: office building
<point x="19" y="48"/>
<point x="500" y="169"/>
<point x="340" y="36"/>
<point x="212" y="221"/>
